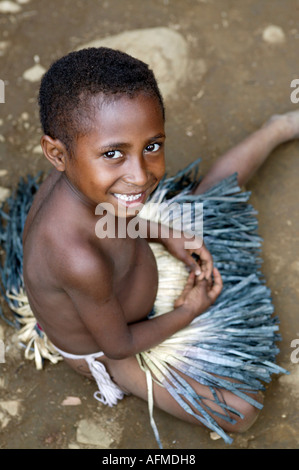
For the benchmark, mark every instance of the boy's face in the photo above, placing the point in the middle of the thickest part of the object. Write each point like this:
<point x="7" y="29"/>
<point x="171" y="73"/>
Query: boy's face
<point x="121" y="160"/>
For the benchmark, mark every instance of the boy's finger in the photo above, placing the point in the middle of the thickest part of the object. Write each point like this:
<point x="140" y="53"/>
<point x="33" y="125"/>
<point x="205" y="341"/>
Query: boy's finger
<point x="188" y="286"/>
<point x="209" y="267"/>
<point x="217" y="278"/>
<point x="206" y="262"/>
<point x="201" y="281"/>
<point x="193" y="265"/>
<point x="190" y="281"/>
<point x="217" y="286"/>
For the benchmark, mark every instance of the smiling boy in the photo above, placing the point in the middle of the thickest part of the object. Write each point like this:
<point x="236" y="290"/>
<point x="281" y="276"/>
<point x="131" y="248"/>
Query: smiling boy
<point x="103" y="121"/>
<point x="98" y="289"/>
<point x="88" y="294"/>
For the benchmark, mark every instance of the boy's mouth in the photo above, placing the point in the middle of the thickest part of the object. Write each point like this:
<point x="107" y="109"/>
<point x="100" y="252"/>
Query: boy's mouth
<point x="128" y="197"/>
<point x="132" y="200"/>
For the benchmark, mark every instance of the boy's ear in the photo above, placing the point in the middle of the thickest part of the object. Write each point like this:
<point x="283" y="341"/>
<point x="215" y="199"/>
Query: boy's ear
<point x="54" y="151"/>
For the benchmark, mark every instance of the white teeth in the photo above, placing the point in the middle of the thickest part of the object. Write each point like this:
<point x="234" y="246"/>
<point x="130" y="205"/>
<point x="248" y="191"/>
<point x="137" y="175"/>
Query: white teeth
<point x="126" y="197"/>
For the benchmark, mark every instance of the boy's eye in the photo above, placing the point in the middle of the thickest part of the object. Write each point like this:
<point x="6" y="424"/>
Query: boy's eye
<point x="153" y="147"/>
<point x="113" y="154"/>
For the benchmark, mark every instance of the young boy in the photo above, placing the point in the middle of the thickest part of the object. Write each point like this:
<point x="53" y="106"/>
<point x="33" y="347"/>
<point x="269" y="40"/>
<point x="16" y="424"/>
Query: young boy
<point x="103" y="121"/>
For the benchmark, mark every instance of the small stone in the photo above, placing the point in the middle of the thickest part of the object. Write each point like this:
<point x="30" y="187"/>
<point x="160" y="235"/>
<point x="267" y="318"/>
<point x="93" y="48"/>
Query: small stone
<point x="91" y="432"/>
<point x="214" y="436"/>
<point x="35" y="73"/>
<point x="3" y="47"/>
<point x="199" y="95"/>
<point x="273" y="35"/>
<point x="12" y="407"/>
<point x="9" y="7"/>
<point x="71" y="401"/>
<point x="2" y="382"/>
<point x="3" y="172"/>
<point x="37" y="149"/>
<point x="25" y="116"/>
<point x="4" y="193"/>
<point x="4" y="420"/>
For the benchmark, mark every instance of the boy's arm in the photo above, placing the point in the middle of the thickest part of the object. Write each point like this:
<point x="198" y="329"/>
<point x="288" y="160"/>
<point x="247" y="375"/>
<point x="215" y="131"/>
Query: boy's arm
<point x="91" y="291"/>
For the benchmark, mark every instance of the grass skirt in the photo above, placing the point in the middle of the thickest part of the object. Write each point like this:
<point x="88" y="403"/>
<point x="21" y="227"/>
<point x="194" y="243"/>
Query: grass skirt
<point x="233" y="340"/>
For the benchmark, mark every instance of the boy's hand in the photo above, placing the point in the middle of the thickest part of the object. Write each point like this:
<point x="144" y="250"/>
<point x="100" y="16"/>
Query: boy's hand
<point x="199" y="260"/>
<point x="199" y="294"/>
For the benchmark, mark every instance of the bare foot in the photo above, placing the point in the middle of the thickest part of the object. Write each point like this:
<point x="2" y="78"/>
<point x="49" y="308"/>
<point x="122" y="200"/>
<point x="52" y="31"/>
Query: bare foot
<point x="287" y="125"/>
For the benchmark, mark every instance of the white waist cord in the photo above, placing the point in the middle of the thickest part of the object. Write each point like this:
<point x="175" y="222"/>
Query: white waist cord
<point x="108" y="392"/>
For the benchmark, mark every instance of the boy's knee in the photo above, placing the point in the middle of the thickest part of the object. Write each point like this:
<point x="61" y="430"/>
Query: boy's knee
<point x="250" y="414"/>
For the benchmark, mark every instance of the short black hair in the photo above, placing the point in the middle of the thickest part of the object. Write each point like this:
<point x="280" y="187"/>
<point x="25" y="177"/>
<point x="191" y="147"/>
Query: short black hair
<point x="70" y="83"/>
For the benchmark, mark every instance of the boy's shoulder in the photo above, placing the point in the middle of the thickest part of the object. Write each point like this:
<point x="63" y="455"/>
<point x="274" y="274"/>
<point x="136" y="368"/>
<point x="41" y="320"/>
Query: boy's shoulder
<point x="82" y="265"/>
<point x="59" y="236"/>
<point x="70" y="260"/>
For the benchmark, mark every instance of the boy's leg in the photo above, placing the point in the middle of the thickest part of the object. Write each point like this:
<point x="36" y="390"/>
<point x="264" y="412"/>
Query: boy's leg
<point x="128" y="376"/>
<point x="251" y="153"/>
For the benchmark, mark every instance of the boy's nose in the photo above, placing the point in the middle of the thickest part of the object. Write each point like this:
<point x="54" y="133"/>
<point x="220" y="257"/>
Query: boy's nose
<point x="137" y="174"/>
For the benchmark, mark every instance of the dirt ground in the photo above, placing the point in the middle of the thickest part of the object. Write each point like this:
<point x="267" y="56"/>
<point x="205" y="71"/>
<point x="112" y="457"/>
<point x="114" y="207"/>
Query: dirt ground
<point x="247" y="78"/>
